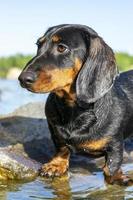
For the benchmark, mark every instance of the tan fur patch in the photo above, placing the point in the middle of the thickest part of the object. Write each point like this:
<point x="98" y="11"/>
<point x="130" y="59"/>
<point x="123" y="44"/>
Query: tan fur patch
<point x="59" y="164"/>
<point x="67" y="91"/>
<point x="106" y="170"/>
<point x="56" y="38"/>
<point x="58" y="80"/>
<point x="118" y="178"/>
<point x="95" y="144"/>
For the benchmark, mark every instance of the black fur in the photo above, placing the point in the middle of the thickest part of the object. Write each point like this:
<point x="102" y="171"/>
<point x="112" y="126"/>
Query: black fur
<point x="104" y="98"/>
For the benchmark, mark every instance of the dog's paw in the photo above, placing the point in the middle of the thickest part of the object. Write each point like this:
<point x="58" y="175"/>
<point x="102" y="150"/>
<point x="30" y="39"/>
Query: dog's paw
<point x="122" y="181"/>
<point x="52" y="169"/>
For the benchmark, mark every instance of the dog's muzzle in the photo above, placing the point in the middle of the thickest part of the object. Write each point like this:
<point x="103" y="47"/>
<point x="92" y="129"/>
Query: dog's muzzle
<point x="27" y="79"/>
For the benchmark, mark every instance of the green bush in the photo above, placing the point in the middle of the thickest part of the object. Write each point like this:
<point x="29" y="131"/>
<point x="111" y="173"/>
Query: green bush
<point x="124" y="62"/>
<point x="18" y="60"/>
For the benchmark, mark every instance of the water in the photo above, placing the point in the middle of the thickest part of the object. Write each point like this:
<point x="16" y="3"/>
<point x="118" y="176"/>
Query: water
<point x="84" y="180"/>
<point x="13" y="96"/>
<point x="77" y="185"/>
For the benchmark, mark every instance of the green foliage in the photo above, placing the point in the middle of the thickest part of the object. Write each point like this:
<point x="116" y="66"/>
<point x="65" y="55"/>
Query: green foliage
<point x="124" y="62"/>
<point x="18" y="60"/>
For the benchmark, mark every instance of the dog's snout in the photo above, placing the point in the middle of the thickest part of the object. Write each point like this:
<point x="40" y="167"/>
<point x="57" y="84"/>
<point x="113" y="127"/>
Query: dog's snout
<point x="27" y="78"/>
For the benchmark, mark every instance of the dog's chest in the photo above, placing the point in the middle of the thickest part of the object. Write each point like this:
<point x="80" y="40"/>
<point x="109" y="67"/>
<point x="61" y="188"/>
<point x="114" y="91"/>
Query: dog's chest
<point x="70" y="117"/>
<point x="72" y="122"/>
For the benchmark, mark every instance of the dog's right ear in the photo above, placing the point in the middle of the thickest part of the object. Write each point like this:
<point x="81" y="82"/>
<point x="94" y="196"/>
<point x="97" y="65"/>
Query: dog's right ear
<point x="97" y="74"/>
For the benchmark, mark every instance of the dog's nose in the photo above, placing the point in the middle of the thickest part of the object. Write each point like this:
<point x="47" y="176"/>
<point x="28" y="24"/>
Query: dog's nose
<point x="27" y="78"/>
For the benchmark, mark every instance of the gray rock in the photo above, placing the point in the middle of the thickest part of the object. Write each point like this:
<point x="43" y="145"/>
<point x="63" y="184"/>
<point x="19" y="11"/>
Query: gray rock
<point x="16" y="166"/>
<point x="24" y="137"/>
<point x="24" y="124"/>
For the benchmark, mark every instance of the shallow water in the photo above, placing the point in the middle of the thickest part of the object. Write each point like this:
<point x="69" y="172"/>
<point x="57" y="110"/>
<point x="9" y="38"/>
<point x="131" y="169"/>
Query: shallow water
<point x="84" y="180"/>
<point x="77" y="185"/>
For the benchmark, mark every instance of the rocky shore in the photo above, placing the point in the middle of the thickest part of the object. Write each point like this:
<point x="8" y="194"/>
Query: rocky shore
<point x="24" y="142"/>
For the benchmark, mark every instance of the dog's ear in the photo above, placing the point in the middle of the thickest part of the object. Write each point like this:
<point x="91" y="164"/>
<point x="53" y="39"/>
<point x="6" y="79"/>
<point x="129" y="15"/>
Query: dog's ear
<point x="98" y="72"/>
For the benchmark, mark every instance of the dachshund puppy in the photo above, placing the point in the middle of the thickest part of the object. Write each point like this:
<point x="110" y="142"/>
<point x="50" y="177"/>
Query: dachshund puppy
<point x="90" y="105"/>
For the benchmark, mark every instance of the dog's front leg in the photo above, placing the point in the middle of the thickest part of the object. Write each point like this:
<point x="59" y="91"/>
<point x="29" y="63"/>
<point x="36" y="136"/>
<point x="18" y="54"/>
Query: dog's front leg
<point x="112" y="169"/>
<point x="58" y="164"/>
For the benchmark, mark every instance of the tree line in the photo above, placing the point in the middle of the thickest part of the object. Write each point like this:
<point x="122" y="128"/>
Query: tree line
<point x="124" y="62"/>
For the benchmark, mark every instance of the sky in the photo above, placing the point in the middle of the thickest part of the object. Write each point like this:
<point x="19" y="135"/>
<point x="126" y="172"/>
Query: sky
<point x="22" y="22"/>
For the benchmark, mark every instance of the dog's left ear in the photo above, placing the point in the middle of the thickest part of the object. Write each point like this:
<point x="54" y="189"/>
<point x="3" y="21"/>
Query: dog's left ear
<point x="98" y="72"/>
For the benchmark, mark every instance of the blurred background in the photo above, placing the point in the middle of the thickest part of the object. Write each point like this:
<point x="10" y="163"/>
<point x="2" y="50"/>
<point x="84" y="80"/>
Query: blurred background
<point x="22" y="22"/>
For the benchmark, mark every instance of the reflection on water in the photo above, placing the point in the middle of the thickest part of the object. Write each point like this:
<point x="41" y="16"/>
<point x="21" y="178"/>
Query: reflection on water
<point x="72" y="186"/>
<point x="84" y="181"/>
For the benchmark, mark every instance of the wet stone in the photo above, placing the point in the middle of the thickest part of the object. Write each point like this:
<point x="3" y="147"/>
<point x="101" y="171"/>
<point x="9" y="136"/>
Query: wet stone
<point x="16" y="166"/>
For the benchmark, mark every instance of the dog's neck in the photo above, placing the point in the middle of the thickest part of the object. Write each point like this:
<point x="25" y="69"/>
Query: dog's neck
<point x="68" y="93"/>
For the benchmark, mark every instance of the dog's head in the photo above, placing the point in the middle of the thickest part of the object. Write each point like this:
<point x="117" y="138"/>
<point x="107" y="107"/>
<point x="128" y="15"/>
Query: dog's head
<point x="70" y="55"/>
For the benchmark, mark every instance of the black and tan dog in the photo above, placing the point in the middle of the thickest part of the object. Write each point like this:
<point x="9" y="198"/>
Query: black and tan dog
<point x="90" y="106"/>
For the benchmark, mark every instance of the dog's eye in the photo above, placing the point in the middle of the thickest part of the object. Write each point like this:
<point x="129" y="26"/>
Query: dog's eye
<point x="61" y="48"/>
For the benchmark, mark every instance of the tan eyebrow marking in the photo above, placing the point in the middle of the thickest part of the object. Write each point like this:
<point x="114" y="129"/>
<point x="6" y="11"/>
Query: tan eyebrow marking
<point x="56" y="38"/>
